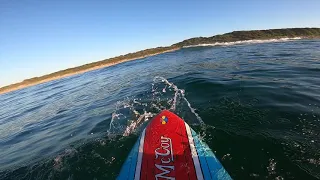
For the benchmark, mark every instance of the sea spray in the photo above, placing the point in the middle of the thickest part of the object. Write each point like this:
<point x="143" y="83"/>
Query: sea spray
<point x="178" y="92"/>
<point x="131" y="113"/>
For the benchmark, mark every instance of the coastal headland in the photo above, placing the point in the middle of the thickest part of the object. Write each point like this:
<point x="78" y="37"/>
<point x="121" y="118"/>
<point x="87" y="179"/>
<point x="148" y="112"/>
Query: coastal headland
<point x="235" y="37"/>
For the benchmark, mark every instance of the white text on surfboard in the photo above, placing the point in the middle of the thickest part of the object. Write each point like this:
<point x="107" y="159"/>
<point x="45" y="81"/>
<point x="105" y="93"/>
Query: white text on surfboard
<point x="165" y="154"/>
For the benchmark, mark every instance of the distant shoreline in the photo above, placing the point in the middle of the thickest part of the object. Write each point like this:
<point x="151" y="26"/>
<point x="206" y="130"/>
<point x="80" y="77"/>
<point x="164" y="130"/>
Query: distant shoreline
<point x="236" y="37"/>
<point x="18" y="86"/>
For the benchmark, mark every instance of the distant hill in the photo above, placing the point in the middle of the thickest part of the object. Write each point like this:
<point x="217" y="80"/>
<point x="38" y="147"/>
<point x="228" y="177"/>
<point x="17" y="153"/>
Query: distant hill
<point x="228" y="37"/>
<point x="254" y="34"/>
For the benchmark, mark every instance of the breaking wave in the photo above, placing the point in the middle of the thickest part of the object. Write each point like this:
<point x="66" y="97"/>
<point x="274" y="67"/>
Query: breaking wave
<point x="254" y="41"/>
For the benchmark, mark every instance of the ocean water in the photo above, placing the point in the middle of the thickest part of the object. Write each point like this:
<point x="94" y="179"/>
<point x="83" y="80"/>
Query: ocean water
<point x="256" y="105"/>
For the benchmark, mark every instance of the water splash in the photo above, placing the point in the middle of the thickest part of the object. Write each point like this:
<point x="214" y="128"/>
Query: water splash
<point x="142" y="118"/>
<point x="178" y="92"/>
<point x="127" y="117"/>
<point x="131" y="113"/>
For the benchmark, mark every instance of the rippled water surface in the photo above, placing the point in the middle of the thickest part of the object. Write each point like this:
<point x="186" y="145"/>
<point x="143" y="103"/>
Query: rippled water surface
<point x="256" y="106"/>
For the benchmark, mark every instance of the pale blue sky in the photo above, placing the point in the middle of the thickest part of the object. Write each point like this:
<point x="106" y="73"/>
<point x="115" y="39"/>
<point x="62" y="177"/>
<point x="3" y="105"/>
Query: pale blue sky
<point x="43" y="36"/>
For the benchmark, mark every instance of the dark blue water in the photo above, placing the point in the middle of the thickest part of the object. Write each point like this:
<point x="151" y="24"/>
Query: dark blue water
<point x="256" y="106"/>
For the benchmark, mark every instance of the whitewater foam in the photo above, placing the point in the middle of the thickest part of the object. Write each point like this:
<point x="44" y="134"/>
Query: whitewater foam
<point x="254" y="41"/>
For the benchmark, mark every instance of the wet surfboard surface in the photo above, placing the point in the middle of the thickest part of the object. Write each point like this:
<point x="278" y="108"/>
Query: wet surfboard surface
<point x="169" y="149"/>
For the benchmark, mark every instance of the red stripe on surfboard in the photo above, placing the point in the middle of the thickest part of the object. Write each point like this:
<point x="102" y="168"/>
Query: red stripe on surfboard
<point x="156" y="162"/>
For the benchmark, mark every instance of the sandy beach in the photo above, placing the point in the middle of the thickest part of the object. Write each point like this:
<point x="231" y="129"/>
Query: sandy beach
<point x="22" y="84"/>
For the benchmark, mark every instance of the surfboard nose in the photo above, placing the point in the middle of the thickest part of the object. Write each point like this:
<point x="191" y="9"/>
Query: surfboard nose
<point x="169" y="149"/>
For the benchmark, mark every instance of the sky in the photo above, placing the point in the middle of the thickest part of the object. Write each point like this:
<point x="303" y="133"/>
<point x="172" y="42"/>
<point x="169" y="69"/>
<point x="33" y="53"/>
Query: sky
<point x="38" y="37"/>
